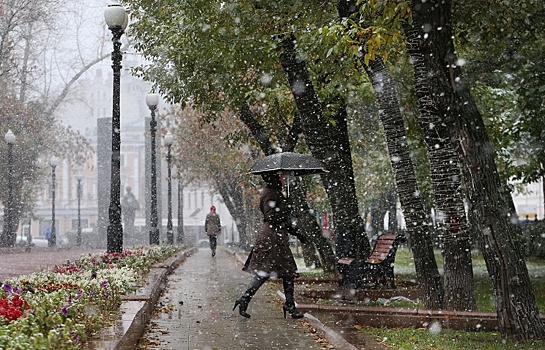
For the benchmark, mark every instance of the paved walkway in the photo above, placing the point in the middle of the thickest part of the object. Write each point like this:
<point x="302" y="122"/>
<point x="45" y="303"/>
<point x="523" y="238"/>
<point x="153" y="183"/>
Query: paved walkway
<point x="195" y="311"/>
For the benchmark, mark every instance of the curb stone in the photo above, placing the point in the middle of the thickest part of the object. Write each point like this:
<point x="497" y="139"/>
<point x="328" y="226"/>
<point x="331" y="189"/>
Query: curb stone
<point x="136" y="309"/>
<point x="333" y="337"/>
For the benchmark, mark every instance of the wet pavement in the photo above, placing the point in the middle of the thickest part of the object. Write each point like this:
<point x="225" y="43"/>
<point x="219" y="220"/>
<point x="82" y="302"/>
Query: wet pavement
<point x="195" y="311"/>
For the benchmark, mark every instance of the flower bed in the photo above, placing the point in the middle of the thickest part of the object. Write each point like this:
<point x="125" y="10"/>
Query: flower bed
<point x="62" y="308"/>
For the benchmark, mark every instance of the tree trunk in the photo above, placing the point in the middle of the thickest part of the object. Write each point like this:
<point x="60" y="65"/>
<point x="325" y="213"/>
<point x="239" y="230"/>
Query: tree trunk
<point x="542" y="189"/>
<point x="517" y="311"/>
<point x="416" y="217"/>
<point x="232" y="196"/>
<point x="24" y="71"/>
<point x="425" y="49"/>
<point x="313" y="230"/>
<point x="518" y="315"/>
<point x="415" y="214"/>
<point x="330" y="146"/>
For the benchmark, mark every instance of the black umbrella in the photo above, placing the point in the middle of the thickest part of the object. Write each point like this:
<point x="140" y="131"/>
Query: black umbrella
<point x="293" y="163"/>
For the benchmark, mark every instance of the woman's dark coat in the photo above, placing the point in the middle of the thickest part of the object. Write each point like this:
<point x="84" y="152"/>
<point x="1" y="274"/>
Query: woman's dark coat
<point x="271" y="255"/>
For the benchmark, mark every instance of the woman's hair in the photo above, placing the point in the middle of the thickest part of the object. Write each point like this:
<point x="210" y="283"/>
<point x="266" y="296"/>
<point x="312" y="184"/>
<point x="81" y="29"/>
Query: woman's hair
<point x="272" y="179"/>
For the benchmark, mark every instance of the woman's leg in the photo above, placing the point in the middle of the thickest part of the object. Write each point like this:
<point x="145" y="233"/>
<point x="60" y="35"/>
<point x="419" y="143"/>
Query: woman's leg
<point x="289" y="305"/>
<point x="244" y="300"/>
<point x="213" y="244"/>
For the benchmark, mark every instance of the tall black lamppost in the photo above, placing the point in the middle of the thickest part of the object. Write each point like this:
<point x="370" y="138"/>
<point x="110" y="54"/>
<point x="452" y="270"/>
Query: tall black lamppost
<point x="152" y="100"/>
<point x="168" y="142"/>
<point x="79" y="177"/>
<point x="8" y="234"/>
<point x="181" y="234"/>
<point x="52" y="241"/>
<point x="117" y="20"/>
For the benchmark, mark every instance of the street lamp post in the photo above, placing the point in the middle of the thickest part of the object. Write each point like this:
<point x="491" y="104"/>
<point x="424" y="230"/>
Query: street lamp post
<point x="152" y="100"/>
<point x="117" y="20"/>
<point x="29" y="235"/>
<point x="168" y="142"/>
<point x="8" y="234"/>
<point x="52" y="241"/>
<point x="181" y="234"/>
<point x="79" y="177"/>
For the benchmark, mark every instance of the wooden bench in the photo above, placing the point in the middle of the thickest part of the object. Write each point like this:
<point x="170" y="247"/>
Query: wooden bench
<point x="377" y="269"/>
<point x="380" y="264"/>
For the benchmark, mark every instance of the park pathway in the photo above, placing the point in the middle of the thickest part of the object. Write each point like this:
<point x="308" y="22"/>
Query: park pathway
<point x="195" y="311"/>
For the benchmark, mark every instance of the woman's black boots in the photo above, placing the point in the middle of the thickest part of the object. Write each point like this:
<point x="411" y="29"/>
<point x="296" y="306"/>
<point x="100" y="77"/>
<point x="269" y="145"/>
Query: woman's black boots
<point x="244" y="300"/>
<point x="242" y="304"/>
<point x="257" y="282"/>
<point x="289" y="305"/>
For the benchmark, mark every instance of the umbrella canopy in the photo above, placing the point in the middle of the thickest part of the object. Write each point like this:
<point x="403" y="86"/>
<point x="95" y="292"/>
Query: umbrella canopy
<point x="295" y="163"/>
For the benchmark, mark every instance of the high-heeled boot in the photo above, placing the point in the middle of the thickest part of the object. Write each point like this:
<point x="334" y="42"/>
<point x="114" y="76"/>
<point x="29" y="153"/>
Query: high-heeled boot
<point x="244" y="300"/>
<point x="242" y="304"/>
<point x="289" y="305"/>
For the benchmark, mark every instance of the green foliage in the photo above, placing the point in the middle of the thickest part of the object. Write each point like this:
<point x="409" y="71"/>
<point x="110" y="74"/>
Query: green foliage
<point x="211" y="53"/>
<point x="530" y="91"/>
<point x="502" y="117"/>
<point x="502" y="52"/>
<point x="376" y="30"/>
<point x="218" y="55"/>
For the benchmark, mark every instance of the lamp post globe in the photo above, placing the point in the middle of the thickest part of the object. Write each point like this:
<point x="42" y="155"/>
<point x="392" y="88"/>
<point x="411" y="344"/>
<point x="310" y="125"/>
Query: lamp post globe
<point x="169" y="138"/>
<point x="117" y="19"/>
<point x="52" y="240"/>
<point x="10" y="137"/>
<point x="152" y="99"/>
<point x="8" y="233"/>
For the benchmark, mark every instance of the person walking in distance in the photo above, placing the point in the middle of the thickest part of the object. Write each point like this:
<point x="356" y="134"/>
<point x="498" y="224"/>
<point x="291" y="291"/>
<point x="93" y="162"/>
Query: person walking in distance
<point x="212" y="227"/>
<point x="271" y="255"/>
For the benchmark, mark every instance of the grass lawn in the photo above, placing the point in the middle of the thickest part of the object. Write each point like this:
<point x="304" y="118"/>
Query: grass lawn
<point x="445" y="339"/>
<point x="404" y="269"/>
<point x="436" y="338"/>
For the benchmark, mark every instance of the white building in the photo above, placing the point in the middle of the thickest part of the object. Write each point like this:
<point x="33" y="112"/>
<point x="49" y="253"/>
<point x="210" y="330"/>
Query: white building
<point x="529" y="205"/>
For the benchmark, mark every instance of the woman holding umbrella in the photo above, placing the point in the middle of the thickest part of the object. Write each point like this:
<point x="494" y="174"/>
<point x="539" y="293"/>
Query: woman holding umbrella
<point x="271" y="255"/>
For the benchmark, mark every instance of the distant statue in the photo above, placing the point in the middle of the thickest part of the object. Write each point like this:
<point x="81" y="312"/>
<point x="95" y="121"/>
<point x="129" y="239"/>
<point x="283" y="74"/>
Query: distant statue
<point x="129" y="206"/>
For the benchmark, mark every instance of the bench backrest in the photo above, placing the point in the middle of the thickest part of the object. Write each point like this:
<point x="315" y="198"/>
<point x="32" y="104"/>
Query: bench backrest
<point x="385" y="245"/>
